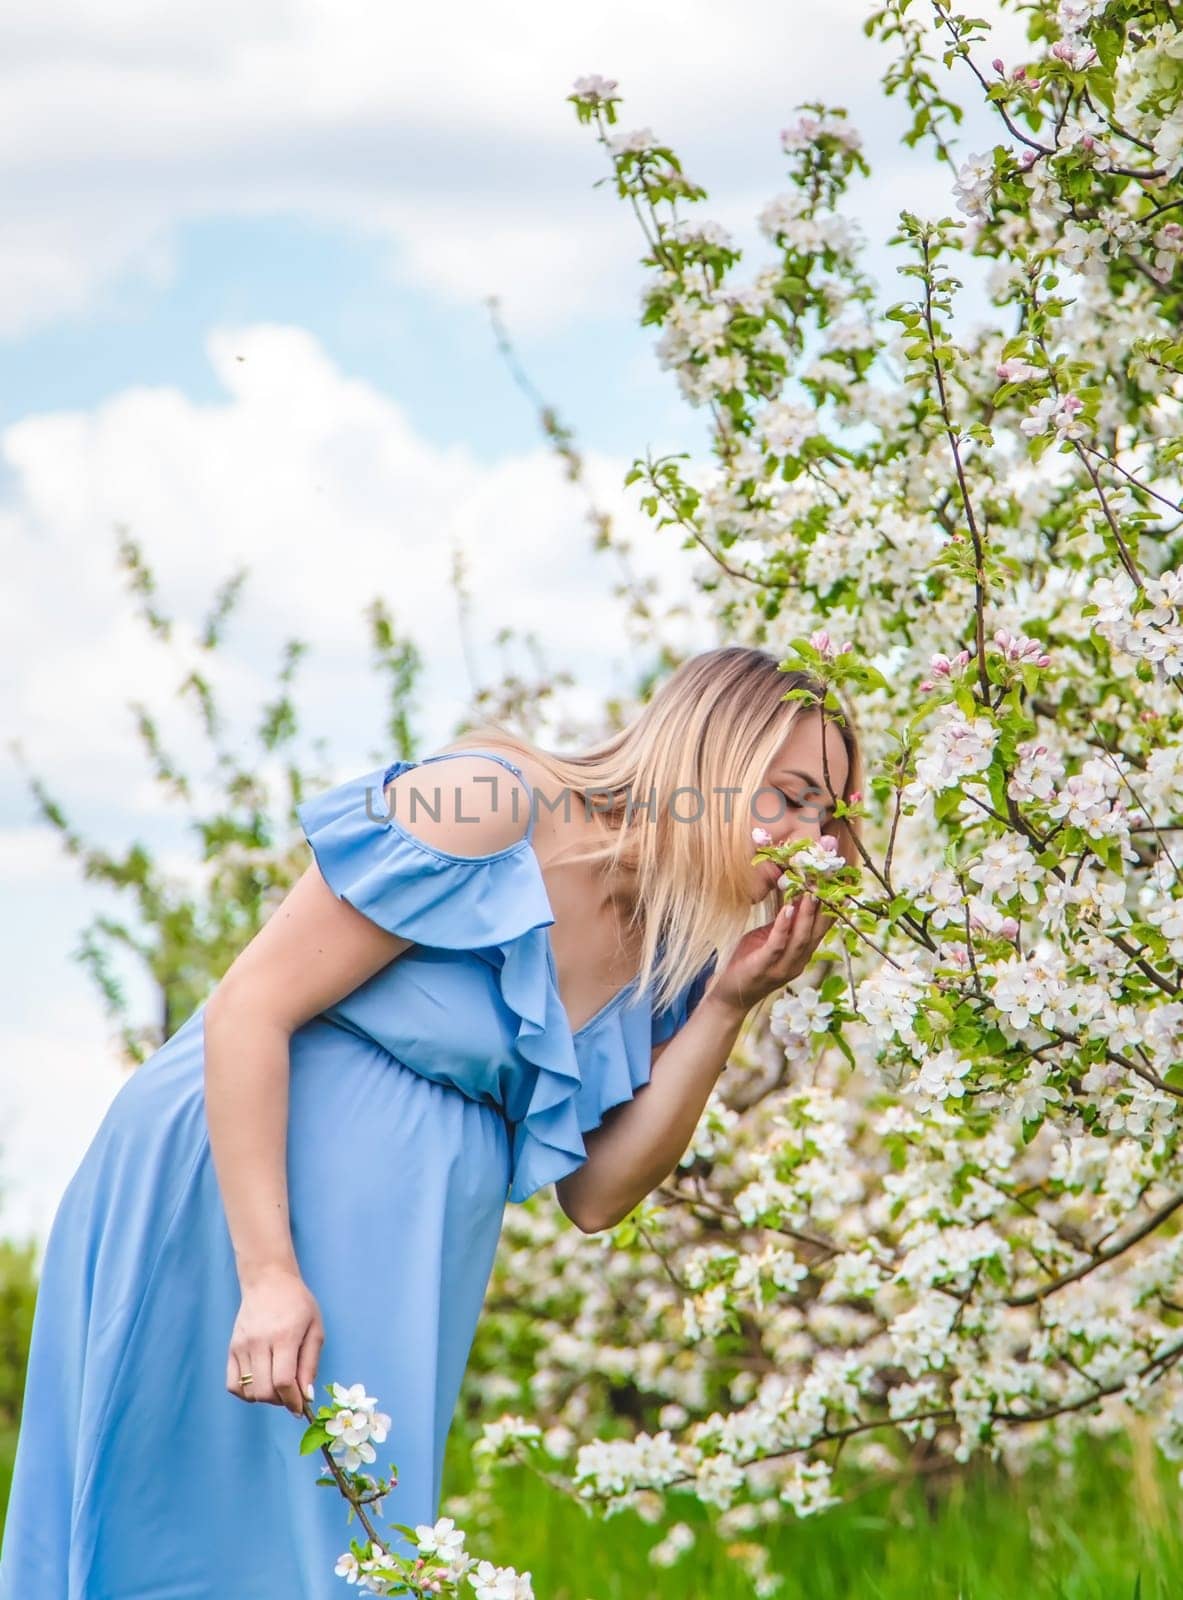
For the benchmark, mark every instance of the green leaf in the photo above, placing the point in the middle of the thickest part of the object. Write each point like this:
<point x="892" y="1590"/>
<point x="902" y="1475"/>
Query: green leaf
<point x="1107" y="41"/>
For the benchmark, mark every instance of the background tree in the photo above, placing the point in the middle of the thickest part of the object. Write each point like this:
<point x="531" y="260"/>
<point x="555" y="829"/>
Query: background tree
<point x="936" y="1209"/>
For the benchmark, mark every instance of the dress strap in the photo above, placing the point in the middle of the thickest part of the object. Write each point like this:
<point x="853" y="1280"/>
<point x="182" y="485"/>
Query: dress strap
<point x="504" y="761"/>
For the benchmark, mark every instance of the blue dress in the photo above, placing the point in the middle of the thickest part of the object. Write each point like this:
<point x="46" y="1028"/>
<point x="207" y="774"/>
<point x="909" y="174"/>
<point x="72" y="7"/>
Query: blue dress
<point x="446" y="1085"/>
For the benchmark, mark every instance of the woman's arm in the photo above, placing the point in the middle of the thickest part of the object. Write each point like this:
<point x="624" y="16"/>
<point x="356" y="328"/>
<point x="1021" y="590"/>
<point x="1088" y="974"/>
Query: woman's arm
<point x="640" y="1142"/>
<point x="313" y="950"/>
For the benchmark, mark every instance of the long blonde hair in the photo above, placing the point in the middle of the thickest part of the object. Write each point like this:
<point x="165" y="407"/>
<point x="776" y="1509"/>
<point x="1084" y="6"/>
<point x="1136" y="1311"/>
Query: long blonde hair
<point x="713" y="726"/>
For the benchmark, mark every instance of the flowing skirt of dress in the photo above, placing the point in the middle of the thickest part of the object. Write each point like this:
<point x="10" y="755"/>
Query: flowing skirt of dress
<point x="138" y="1476"/>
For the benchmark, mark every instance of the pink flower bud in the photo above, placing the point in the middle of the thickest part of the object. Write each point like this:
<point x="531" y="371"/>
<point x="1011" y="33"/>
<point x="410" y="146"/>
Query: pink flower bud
<point x="761" y="836"/>
<point x="1008" y="928"/>
<point x="997" y="64"/>
<point x="856" y="797"/>
<point x="945" y="666"/>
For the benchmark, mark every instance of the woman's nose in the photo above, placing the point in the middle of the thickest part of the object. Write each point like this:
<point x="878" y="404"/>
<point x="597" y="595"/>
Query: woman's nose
<point x="802" y="828"/>
<point x="799" y="825"/>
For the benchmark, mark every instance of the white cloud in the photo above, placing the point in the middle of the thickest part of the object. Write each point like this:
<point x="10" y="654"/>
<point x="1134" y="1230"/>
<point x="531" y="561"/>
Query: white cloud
<point x="32" y="857"/>
<point x="55" y="1086"/>
<point x="316" y="482"/>
<point x="443" y="129"/>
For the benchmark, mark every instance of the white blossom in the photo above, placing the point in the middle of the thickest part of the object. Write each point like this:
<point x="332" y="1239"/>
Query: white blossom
<point x="594" y="87"/>
<point x="637" y="142"/>
<point x="975" y="178"/>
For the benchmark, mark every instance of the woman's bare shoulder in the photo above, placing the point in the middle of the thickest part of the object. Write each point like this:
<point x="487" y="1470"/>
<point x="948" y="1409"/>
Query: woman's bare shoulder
<point x="463" y="806"/>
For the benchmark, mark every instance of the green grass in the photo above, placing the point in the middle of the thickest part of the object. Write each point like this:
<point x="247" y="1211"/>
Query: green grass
<point x="1112" y="1533"/>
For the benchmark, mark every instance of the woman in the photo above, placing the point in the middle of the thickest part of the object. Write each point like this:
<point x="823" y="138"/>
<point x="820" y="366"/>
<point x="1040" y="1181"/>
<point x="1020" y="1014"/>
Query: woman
<point x="310" y="1176"/>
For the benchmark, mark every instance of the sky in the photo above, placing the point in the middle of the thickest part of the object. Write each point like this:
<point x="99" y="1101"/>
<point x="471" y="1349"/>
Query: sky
<point x="245" y="259"/>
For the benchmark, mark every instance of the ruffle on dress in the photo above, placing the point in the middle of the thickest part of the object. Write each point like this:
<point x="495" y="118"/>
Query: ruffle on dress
<point x="495" y="904"/>
<point x="406" y="886"/>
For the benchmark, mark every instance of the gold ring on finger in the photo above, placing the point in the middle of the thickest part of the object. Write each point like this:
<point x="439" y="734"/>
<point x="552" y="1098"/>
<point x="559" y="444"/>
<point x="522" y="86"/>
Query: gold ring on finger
<point x="246" y="1378"/>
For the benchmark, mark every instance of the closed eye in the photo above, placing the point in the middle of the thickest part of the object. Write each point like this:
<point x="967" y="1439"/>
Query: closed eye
<point x="813" y="803"/>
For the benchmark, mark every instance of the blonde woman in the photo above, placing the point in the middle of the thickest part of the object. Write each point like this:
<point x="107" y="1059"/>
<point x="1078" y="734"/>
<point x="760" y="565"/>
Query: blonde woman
<point x="501" y="971"/>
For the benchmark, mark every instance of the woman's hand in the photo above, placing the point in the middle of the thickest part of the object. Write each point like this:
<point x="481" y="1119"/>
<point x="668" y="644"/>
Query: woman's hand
<point x="768" y="957"/>
<point x="277" y="1338"/>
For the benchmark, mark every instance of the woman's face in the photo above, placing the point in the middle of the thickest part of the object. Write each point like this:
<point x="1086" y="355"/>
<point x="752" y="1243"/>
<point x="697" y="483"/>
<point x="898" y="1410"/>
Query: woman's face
<point x="797" y="798"/>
